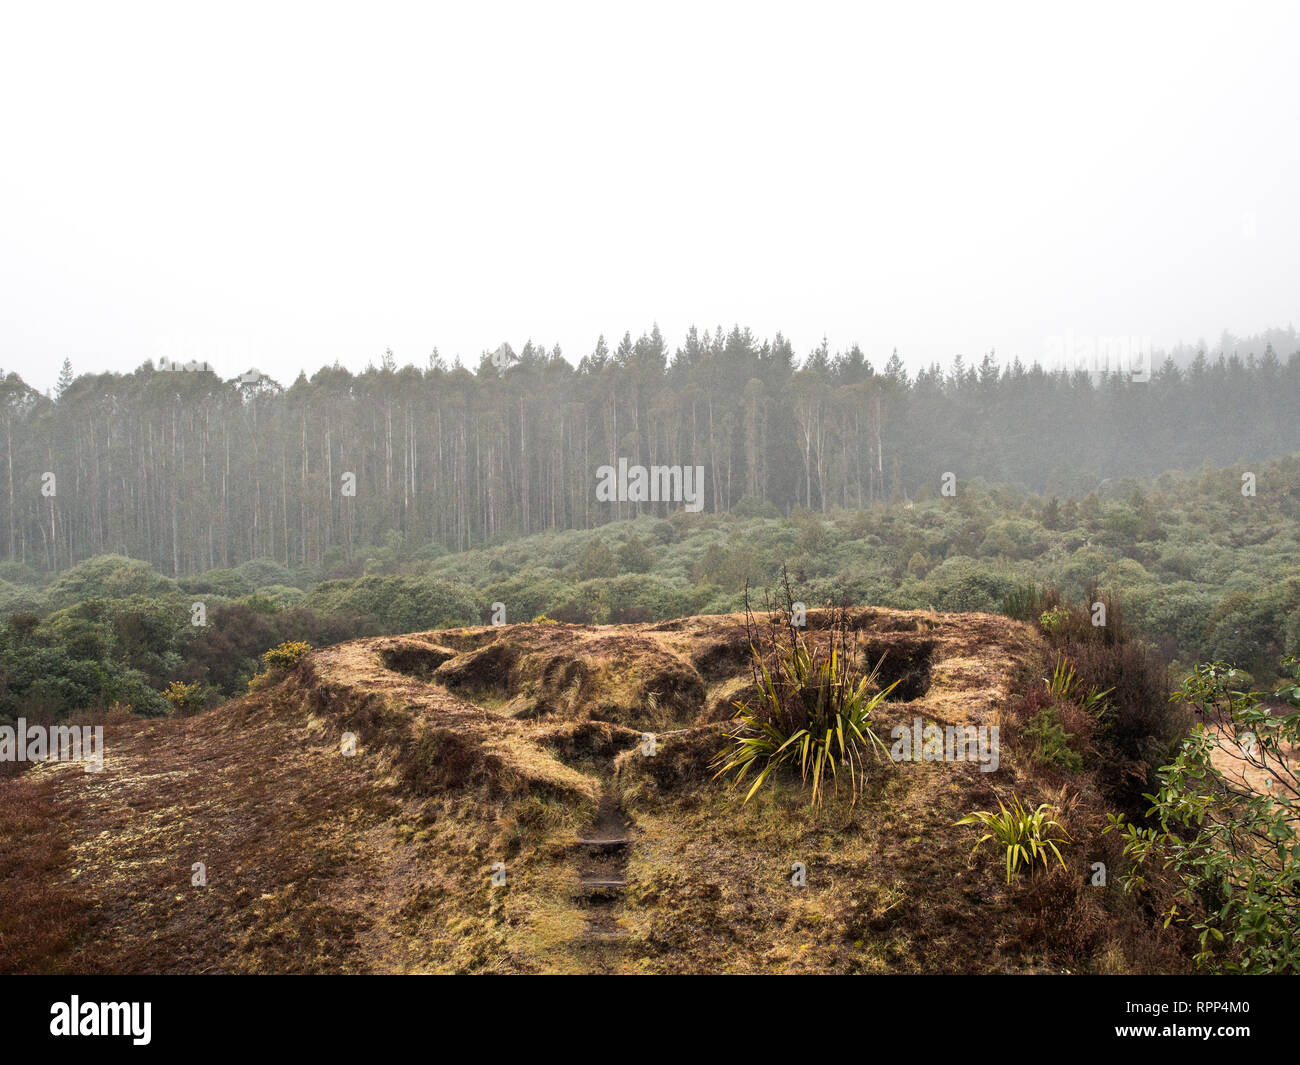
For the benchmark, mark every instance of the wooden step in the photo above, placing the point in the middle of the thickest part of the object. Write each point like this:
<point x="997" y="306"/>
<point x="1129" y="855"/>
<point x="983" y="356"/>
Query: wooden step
<point x="603" y="844"/>
<point x="593" y="938"/>
<point x="601" y="885"/>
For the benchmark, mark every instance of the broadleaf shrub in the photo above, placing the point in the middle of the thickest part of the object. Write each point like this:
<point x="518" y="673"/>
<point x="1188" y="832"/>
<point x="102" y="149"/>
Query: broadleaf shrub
<point x="1225" y="822"/>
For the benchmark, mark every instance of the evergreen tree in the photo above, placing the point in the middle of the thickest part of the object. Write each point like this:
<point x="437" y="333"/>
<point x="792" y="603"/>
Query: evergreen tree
<point x="65" y="379"/>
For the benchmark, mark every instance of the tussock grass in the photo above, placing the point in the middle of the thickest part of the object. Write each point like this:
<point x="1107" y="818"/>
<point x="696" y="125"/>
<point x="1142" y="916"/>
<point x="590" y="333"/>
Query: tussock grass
<point x="382" y="862"/>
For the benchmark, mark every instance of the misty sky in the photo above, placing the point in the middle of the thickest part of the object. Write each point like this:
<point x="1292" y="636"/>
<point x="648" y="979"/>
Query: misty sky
<point x="287" y="186"/>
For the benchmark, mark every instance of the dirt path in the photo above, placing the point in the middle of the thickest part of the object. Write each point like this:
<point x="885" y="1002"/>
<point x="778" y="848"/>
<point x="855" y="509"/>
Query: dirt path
<point x="601" y="858"/>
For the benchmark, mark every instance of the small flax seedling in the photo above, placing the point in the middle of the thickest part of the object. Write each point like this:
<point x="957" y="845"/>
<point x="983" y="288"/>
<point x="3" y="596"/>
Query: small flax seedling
<point x="1061" y="682"/>
<point x="1024" y="836"/>
<point x="809" y="709"/>
<point x="1062" y="685"/>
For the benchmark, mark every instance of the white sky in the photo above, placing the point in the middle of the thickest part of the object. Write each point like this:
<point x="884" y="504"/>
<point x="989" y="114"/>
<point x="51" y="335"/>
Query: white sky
<point x="286" y="186"/>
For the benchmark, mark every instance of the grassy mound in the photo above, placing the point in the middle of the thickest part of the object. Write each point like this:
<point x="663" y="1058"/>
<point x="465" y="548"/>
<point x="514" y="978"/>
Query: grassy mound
<point x="412" y="804"/>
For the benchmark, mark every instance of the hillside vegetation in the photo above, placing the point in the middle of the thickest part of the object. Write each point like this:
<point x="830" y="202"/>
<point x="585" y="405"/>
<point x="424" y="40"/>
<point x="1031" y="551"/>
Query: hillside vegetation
<point x="499" y="750"/>
<point x="1196" y="568"/>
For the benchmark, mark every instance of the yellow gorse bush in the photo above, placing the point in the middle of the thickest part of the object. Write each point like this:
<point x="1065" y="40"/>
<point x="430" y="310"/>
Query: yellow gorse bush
<point x="286" y="655"/>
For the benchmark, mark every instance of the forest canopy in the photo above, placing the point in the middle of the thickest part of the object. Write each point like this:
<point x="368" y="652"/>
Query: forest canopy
<point x="193" y="473"/>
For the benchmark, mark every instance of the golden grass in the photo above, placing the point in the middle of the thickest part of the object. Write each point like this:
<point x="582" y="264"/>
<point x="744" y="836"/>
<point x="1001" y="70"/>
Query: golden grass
<point x="485" y="745"/>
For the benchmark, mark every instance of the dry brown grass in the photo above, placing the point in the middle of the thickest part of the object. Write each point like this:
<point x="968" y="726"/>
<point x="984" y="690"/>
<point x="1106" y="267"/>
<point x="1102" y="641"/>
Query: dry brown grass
<point x="41" y="909"/>
<point x="485" y="745"/>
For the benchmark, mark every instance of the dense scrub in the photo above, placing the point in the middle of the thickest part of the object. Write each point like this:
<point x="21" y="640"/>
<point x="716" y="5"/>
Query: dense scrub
<point x="1197" y="570"/>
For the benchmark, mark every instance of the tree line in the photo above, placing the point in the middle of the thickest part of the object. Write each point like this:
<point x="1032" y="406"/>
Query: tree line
<point x="192" y="472"/>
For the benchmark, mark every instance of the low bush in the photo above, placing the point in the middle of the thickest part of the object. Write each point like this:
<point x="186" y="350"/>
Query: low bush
<point x="1225" y="822"/>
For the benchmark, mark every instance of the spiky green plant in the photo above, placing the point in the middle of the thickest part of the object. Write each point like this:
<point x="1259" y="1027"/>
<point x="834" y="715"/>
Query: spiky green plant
<point x="1023" y="835"/>
<point x="809" y="709"/>
<point x="1062" y="685"/>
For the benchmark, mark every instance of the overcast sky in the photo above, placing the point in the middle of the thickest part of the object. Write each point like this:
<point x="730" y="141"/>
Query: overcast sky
<point x="286" y="186"/>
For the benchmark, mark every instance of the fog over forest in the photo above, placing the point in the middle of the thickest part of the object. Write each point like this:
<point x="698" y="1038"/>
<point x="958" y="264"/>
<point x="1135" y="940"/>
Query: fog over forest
<point x="191" y="472"/>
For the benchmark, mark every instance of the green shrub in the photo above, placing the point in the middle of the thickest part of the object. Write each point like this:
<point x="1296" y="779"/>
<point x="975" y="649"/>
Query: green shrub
<point x="1054" y="621"/>
<point x="398" y="604"/>
<point x="260" y="572"/>
<point x="225" y="582"/>
<point x="596" y="560"/>
<point x="282" y="596"/>
<point x="585" y="604"/>
<point x="963" y="584"/>
<point x="526" y="592"/>
<point x="1051" y="741"/>
<point x="1227" y="826"/>
<point x="1023" y="603"/>
<point x="108" y="577"/>
<point x="634" y="556"/>
<point x="20" y="599"/>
